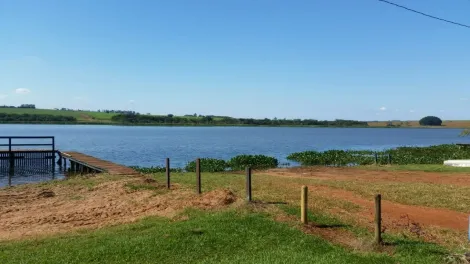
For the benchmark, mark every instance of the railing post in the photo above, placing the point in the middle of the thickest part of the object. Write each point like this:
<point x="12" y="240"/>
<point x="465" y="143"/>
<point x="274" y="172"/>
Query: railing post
<point x="11" y="155"/>
<point x="167" y="165"/>
<point x="198" y="176"/>
<point x="248" y="184"/>
<point x="378" y="219"/>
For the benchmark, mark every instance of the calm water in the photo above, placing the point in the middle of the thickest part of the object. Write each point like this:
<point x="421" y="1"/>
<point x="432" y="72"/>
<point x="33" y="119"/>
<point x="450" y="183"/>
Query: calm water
<point x="147" y="146"/>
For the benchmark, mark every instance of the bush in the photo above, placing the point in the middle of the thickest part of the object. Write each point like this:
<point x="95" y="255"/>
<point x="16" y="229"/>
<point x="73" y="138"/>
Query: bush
<point x="208" y="165"/>
<point x="257" y="162"/>
<point x="401" y="156"/>
<point x="430" y="121"/>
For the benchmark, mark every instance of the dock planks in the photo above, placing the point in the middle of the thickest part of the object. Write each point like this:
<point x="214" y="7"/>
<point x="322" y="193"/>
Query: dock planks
<point x="98" y="164"/>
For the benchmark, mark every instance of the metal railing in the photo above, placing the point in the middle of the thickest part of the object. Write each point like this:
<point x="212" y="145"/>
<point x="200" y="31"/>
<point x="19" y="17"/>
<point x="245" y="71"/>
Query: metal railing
<point x="11" y="144"/>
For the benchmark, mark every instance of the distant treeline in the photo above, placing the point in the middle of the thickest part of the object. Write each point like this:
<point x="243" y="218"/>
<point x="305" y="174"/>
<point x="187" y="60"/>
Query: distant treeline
<point x="32" y="106"/>
<point x="126" y="112"/>
<point x="36" y="118"/>
<point x="99" y="111"/>
<point x="209" y="120"/>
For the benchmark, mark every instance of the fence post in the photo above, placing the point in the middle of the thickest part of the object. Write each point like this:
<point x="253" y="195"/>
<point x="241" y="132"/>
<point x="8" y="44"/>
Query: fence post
<point x="378" y="219"/>
<point x="198" y="176"/>
<point x="248" y="184"/>
<point x="389" y="158"/>
<point x="376" y="159"/>
<point x="304" y="205"/>
<point x="167" y="165"/>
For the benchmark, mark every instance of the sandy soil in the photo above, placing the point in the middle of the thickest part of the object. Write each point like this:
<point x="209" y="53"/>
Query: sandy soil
<point x="31" y="211"/>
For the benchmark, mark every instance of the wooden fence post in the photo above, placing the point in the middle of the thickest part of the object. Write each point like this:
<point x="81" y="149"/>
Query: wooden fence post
<point x="389" y="158"/>
<point x="376" y="158"/>
<point x="248" y="184"/>
<point x="304" y="205"/>
<point x="167" y="165"/>
<point x="378" y="219"/>
<point x="198" y="176"/>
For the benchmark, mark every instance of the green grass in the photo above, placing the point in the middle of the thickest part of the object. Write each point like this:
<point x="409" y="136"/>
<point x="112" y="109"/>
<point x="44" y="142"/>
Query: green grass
<point x="222" y="237"/>
<point x="418" y="167"/>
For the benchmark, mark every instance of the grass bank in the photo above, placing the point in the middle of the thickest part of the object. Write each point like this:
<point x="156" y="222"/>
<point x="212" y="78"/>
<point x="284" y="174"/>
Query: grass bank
<point x="266" y="231"/>
<point x="222" y="237"/>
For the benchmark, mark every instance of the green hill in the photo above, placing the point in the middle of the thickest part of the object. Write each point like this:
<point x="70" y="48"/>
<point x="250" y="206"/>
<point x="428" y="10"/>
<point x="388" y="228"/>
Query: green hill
<point x="81" y="116"/>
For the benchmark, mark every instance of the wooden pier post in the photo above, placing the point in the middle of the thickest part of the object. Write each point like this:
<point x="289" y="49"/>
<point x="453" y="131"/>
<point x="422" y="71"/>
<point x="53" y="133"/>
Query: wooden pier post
<point x="167" y="166"/>
<point x="378" y="219"/>
<point x="198" y="176"/>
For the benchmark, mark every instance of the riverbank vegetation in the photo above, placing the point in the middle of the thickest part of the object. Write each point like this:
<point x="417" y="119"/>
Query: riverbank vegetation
<point x="432" y="155"/>
<point x="237" y="163"/>
<point x="399" y="156"/>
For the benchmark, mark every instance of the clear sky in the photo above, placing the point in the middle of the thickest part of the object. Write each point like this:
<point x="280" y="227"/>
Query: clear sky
<point x="322" y="59"/>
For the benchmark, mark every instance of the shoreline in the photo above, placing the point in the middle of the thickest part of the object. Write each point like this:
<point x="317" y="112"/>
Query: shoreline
<point x="220" y="125"/>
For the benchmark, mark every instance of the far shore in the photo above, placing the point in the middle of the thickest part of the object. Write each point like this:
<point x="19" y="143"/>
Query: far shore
<point x="232" y="125"/>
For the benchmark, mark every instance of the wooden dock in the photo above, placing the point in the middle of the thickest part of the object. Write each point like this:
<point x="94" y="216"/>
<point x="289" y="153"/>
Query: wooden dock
<point x="13" y="157"/>
<point x="80" y="162"/>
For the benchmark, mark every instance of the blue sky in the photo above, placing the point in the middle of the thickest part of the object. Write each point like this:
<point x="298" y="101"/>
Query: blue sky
<point x="322" y="59"/>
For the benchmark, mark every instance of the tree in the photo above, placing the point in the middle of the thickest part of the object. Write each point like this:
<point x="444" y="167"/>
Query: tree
<point x="430" y="121"/>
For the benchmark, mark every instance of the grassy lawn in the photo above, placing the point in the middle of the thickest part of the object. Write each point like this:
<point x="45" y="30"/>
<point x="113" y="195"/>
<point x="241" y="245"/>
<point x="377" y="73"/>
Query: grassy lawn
<point x="278" y="188"/>
<point x="418" y="167"/>
<point x="220" y="237"/>
<point x="245" y="233"/>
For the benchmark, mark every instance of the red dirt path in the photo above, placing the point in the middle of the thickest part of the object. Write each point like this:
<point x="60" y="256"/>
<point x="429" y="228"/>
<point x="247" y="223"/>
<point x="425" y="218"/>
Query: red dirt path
<point x="393" y="214"/>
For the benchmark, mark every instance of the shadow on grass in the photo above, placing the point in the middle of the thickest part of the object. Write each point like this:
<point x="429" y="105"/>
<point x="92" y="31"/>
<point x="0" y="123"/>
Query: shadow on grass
<point x="329" y="225"/>
<point x="269" y="202"/>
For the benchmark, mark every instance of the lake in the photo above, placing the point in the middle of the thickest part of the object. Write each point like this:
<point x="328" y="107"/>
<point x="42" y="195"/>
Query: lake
<point x="149" y="146"/>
